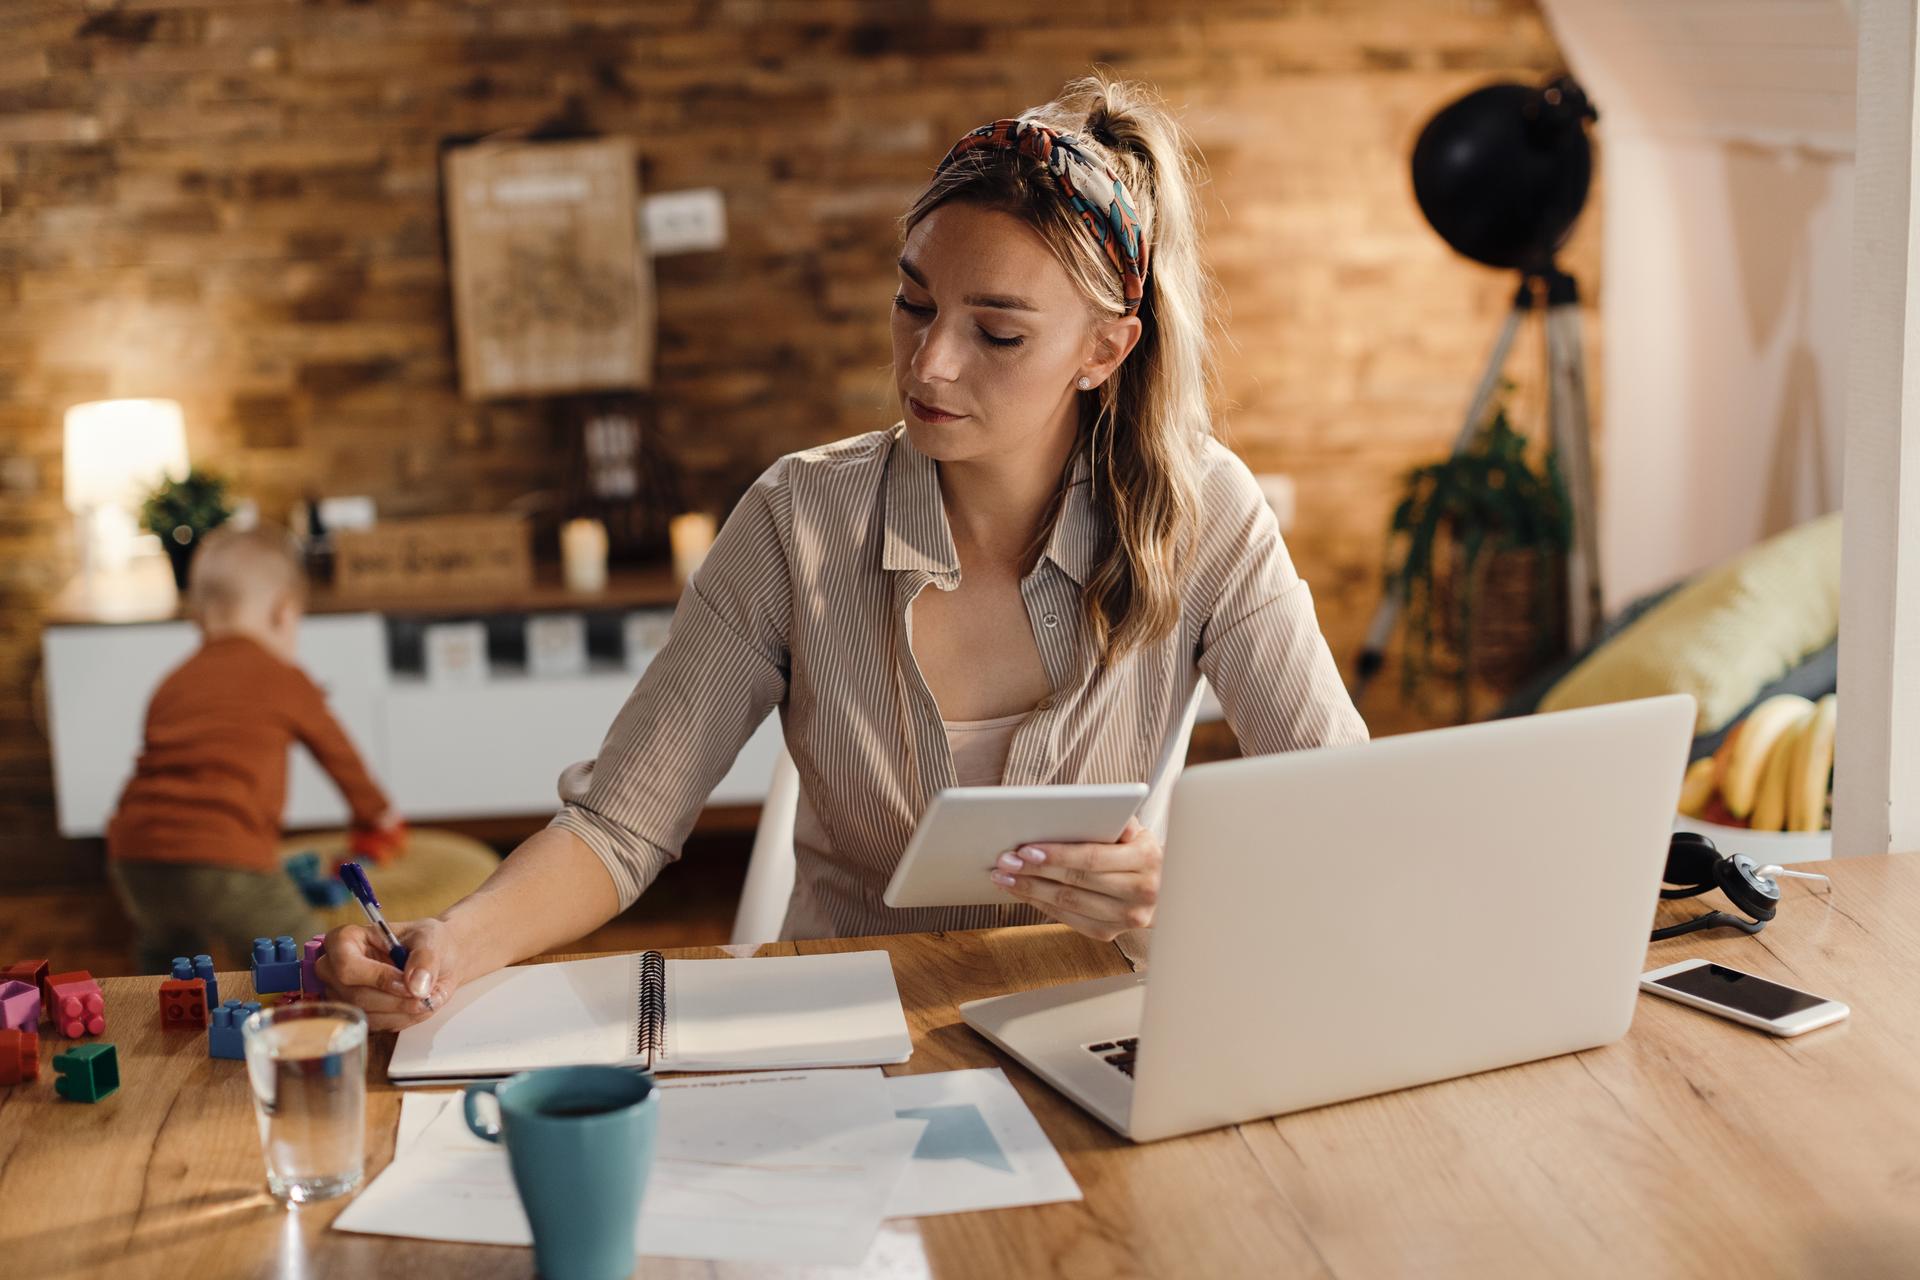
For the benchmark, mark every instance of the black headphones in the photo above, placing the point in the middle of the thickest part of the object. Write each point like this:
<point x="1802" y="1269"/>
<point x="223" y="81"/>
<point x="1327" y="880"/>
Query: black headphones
<point x="1695" y="867"/>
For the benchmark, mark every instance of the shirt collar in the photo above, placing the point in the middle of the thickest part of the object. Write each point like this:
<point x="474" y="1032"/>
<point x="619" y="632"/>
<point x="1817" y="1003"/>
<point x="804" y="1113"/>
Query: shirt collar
<point x="918" y="536"/>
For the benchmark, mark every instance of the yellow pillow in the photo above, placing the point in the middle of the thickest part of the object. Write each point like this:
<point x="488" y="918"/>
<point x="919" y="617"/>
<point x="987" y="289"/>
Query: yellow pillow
<point x="1724" y="636"/>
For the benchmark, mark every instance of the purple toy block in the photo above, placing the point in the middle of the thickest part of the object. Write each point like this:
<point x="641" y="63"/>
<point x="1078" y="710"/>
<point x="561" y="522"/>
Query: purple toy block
<point x="310" y="981"/>
<point x="19" y="1006"/>
<point x="276" y="965"/>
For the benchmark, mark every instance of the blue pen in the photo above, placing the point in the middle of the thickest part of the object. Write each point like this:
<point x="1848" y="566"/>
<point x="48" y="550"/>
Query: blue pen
<point x="362" y="888"/>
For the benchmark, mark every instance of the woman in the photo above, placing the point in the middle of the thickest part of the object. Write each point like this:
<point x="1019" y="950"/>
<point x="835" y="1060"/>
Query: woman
<point x="1093" y="549"/>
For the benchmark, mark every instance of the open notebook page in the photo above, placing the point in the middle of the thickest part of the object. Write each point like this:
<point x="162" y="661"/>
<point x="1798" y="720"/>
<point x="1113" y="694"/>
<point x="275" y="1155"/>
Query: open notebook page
<point x="832" y="1010"/>
<point x="537" y="1015"/>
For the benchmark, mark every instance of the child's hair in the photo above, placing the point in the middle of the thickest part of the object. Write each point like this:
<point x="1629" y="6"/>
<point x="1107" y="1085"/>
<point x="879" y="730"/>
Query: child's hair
<point x="236" y="569"/>
<point x="1147" y="426"/>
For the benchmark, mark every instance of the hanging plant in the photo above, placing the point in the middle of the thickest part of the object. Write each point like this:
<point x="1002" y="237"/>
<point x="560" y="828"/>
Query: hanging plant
<point x="1482" y="500"/>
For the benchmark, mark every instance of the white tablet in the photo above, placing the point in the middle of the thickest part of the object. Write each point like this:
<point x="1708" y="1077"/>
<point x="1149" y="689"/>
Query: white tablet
<point x="966" y="829"/>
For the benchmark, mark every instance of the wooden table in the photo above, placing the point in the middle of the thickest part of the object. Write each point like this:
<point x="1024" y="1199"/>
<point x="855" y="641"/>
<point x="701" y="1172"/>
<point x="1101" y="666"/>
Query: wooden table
<point x="1692" y="1147"/>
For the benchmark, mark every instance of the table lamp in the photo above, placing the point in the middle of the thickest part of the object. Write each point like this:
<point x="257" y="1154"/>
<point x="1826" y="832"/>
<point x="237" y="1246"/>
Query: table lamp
<point x="116" y="452"/>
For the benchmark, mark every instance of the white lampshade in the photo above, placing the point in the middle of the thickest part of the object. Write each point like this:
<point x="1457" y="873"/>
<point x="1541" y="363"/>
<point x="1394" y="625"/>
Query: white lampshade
<point x="117" y="451"/>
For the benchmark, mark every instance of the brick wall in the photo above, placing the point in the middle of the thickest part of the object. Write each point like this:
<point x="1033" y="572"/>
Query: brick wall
<point x="237" y="205"/>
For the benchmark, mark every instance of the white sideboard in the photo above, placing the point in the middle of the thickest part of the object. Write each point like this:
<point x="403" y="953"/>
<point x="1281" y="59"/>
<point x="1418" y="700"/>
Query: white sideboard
<point x="442" y="752"/>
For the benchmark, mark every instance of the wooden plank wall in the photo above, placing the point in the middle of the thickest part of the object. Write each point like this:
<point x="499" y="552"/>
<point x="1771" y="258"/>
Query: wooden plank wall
<point x="236" y="204"/>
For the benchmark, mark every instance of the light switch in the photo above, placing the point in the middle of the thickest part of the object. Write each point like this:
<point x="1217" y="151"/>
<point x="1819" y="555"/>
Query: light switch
<point x="684" y="221"/>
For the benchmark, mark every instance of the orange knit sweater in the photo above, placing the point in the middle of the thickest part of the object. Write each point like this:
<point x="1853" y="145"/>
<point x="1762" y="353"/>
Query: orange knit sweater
<point x="211" y="783"/>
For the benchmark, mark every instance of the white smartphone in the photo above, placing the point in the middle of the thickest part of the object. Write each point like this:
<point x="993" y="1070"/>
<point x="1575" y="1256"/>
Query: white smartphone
<point x="1785" y="1011"/>
<point x="966" y="829"/>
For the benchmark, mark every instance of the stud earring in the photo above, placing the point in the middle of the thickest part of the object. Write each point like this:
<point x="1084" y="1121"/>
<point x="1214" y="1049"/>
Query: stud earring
<point x="1086" y="383"/>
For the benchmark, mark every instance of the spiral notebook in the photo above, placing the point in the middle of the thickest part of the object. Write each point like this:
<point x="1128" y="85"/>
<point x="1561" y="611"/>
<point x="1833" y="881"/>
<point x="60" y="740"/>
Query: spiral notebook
<point x="764" y="1014"/>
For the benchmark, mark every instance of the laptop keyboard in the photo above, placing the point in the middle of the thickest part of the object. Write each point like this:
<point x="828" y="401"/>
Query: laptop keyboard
<point x="1118" y="1054"/>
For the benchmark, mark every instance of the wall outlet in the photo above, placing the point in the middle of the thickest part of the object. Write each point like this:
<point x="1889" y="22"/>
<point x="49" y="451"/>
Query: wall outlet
<point x="684" y="221"/>
<point x="1281" y="495"/>
<point x="19" y="474"/>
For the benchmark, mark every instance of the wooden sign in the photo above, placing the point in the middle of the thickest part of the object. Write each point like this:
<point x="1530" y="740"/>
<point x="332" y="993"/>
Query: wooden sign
<point x="552" y="288"/>
<point x="435" y="554"/>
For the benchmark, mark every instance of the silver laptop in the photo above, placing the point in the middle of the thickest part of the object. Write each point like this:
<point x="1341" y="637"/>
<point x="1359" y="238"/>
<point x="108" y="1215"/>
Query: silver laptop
<point x="1343" y="922"/>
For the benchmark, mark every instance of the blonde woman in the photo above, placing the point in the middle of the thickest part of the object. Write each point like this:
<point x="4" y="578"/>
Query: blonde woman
<point x="1019" y="583"/>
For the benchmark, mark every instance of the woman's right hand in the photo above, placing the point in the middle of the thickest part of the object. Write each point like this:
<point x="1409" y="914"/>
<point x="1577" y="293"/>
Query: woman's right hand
<point x="354" y="968"/>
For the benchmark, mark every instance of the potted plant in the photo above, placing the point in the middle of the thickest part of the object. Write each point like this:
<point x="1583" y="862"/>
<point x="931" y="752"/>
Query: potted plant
<point x="1483" y="538"/>
<point x="182" y="512"/>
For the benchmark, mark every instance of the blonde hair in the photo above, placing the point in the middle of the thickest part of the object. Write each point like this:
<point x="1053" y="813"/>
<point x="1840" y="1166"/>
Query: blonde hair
<point x="236" y="569"/>
<point x="1146" y="428"/>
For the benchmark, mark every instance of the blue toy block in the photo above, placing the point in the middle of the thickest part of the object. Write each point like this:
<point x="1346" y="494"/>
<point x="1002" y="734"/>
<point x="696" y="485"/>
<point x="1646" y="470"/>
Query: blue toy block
<point x="276" y="965"/>
<point x="325" y="893"/>
<point x="200" y="967"/>
<point x="319" y="890"/>
<point x="223" y="1031"/>
<point x="86" y="1074"/>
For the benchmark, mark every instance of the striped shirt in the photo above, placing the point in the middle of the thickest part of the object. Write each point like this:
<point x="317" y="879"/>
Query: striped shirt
<point x="802" y="606"/>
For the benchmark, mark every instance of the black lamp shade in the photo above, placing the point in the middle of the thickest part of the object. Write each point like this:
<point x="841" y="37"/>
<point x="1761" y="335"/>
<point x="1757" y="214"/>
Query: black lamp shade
<point x="1503" y="172"/>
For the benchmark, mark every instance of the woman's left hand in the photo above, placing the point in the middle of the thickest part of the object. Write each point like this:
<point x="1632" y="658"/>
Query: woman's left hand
<point x="1102" y="890"/>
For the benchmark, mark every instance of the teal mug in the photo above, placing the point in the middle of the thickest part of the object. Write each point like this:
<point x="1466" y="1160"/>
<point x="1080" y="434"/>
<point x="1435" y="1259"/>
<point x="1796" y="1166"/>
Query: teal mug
<point x="580" y="1140"/>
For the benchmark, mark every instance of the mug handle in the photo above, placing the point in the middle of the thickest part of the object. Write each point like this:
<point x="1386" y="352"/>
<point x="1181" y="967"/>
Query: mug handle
<point x="468" y="1101"/>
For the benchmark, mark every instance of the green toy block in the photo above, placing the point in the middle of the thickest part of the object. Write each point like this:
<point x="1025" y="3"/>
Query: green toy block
<point x="87" y="1073"/>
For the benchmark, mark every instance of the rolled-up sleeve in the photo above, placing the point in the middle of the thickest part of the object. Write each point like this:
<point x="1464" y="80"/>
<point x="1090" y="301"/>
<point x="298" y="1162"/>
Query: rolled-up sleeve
<point x="723" y="668"/>
<point x="1261" y="646"/>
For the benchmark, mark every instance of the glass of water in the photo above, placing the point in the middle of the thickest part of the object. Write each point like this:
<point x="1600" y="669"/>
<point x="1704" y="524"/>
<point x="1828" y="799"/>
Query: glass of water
<point x="308" y="1066"/>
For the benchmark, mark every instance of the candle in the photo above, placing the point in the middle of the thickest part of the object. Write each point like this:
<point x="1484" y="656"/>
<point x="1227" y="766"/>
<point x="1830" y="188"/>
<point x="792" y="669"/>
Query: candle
<point x="691" y="535"/>
<point x="583" y="553"/>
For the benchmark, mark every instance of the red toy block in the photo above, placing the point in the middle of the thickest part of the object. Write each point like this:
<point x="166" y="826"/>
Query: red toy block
<point x="19" y="1005"/>
<point x="378" y="845"/>
<point x="19" y="1056"/>
<point x="77" y="1009"/>
<point x="183" y="1003"/>
<point x="34" y="971"/>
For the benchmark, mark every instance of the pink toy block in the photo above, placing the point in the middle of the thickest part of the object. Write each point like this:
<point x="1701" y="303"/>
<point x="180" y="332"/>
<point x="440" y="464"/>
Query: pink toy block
<point x="19" y="1006"/>
<point x="30" y="971"/>
<point x="78" y="1009"/>
<point x="310" y="981"/>
<point x="19" y="1056"/>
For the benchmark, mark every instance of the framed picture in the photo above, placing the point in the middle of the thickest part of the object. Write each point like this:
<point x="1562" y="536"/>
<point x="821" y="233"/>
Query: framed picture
<point x="552" y="288"/>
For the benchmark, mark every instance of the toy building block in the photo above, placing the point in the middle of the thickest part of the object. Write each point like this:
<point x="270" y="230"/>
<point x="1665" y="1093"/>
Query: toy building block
<point x="223" y="1033"/>
<point x="19" y="1056"/>
<point x="378" y="844"/>
<point x="78" y="1009"/>
<point x="31" y="971"/>
<point x="203" y="970"/>
<point x="276" y="965"/>
<point x="86" y="1074"/>
<point x="309" y="980"/>
<point x="19" y="1005"/>
<point x="183" y="1003"/>
<point x="317" y="887"/>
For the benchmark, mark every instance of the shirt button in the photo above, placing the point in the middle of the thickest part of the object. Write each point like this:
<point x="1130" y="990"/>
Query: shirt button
<point x="1045" y="704"/>
<point x="1050" y="621"/>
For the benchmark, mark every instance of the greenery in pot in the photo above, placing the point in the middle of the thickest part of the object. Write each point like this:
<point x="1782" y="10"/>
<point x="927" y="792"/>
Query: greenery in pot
<point x="1456" y="511"/>
<point x="181" y="512"/>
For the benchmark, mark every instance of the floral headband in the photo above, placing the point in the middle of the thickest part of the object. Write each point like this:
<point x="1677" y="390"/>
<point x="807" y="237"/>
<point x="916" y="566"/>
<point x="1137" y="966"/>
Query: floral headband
<point x="1090" y="189"/>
